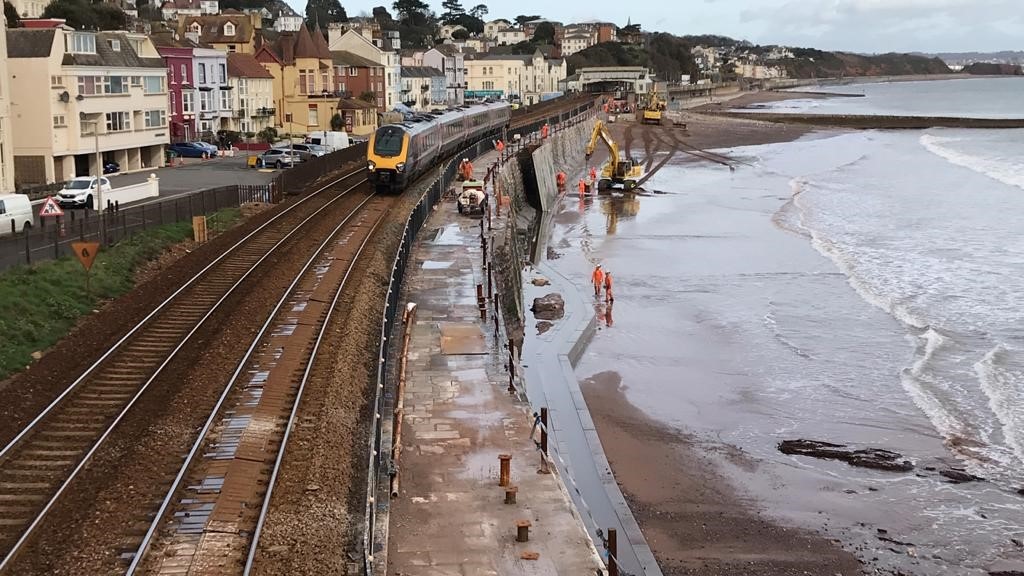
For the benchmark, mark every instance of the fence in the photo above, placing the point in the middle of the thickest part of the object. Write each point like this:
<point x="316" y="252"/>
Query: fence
<point x="52" y="237"/>
<point x="295" y="180"/>
<point x="381" y="465"/>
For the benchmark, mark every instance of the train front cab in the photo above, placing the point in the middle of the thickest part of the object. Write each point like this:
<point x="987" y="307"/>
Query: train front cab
<point x="387" y="155"/>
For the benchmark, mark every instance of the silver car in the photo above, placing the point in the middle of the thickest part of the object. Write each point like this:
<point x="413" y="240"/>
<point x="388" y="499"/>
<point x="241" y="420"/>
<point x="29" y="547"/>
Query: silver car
<point x="279" y="158"/>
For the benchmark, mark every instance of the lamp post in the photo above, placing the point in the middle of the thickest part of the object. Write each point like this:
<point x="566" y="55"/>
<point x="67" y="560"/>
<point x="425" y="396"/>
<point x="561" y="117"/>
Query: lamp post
<point x="98" y="196"/>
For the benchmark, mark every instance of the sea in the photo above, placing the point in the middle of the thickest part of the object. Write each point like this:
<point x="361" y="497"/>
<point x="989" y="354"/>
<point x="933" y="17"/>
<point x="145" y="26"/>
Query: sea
<point x="862" y="288"/>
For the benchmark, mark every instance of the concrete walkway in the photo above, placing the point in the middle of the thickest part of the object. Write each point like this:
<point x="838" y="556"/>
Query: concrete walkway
<point x="450" y="517"/>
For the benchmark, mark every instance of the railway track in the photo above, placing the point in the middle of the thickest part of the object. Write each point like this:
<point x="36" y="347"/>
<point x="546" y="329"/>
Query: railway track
<point x="211" y="518"/>
<point x="39" y="464"/>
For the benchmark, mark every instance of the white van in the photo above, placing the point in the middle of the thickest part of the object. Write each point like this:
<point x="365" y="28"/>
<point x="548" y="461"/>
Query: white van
<point x="330" y="140"/>
<point x="16" y="208"/>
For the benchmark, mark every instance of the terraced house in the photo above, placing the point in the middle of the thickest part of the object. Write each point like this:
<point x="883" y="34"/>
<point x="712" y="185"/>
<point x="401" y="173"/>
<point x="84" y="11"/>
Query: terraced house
<point x="78" y="95"/>
<point x="305" y="96"/>
<point x="253" y="90"/>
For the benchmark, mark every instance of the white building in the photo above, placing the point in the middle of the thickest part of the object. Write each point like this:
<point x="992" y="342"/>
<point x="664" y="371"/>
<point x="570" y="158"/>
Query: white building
<point x="285" y="18"/>
<point x="452" y="64"/>
<point x="492" y="28"/>
<point x="212" y="90"/>
<point x="759" y="71"/>
<point x="252" y="88"/>
<point x="423" y="88"/>
<point x="6" y="137"/>
<point x="73" y="92"/>
<point x="447" y="30"/>
<point x="573" y="43"/>
<point x="510" y="36"/>
<point x="514" y="77"/>
<point x="29" y="8"/>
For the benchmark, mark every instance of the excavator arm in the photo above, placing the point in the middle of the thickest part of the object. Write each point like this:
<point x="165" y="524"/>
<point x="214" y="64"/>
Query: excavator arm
<point x="601" y="133"/>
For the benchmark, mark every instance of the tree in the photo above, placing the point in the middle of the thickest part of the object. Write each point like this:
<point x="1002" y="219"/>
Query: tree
<point x="460" y="34"/>
<point x="369" y="96"/>
<point x="520" y="20"/>
<point x="337" y="122"/>
<point x="11" y="13"/>
<point x="411" y="11"/>
<point x="268" y="135"/>
<point x="452" y="10"/>
<point x="323" y="12"/>
<point x="417" y="24"/>
<point x="544" y="34"/>
<point x="478" y="11"/>
<point x="81" y="15"/>
<point x="471" y="23"/>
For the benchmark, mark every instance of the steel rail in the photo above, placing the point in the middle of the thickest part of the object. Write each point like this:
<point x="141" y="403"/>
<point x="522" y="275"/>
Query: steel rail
<point x="190" y="457"/>
<point x="26" y="534"/>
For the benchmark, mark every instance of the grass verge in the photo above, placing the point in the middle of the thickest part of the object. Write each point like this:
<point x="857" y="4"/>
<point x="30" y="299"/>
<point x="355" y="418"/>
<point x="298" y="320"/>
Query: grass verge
<point x="39" y="304"/>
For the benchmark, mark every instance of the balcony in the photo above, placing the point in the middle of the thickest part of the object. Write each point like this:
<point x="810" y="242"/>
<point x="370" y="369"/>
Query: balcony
<point x="264" y="112"/>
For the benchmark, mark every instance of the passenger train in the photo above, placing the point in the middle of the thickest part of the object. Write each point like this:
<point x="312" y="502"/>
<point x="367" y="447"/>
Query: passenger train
<point x="398" y="154"/>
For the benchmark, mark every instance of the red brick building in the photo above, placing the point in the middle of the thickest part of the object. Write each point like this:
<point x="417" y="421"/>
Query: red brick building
<point x="355" y="75"/>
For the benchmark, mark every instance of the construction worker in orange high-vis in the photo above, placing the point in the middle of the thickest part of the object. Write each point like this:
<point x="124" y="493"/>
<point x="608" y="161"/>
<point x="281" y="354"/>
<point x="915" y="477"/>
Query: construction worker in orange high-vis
<point x="608" y="287"/>
<point x="560" y="179"/>
<point x="583" y="187"/>
<point x="544" y="131"/>
<point x="593" y="173"/>
<point x="500" y="146"/>
<point x="467" y="169"/>
<point x="598" y="278"/>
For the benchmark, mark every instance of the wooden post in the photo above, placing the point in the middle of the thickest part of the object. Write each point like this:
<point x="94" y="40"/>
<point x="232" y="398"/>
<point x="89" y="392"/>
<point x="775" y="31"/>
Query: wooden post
<point x="613" y="553"/>
<point x="544" y="430"/>
<point x="505" y="476"/>
<point x="28" y="248"/>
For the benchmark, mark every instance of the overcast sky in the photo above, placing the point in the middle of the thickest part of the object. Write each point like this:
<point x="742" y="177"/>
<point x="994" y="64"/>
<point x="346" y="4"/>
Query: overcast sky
<point x="854" y="25"/>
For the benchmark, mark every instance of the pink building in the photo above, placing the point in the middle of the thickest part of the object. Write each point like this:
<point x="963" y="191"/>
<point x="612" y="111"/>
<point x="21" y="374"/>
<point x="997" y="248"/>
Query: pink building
<point x="180" y="90"/>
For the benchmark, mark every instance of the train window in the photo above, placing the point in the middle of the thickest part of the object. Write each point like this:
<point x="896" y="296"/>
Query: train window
<point x="388" y="141"/>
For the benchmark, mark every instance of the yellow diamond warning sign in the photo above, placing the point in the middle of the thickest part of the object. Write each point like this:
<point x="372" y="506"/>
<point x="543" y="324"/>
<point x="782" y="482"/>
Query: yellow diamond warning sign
<point x="86" y="252"/>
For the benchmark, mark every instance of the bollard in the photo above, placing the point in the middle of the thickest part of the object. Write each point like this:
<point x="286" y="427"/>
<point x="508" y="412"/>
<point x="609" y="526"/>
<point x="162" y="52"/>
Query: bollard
<point x="544" y="430"/>
<point x="523" y="531"/>
<point x="490" y="281"/>
<point x="613" y="563"/>
<point x="510" y="494"/>
<point x="505" y="470"/>
<point x="481" y="301"/>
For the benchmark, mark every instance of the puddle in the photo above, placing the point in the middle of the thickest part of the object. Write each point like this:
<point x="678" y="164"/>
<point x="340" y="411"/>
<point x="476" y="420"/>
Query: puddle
<point x="434" y="265"/>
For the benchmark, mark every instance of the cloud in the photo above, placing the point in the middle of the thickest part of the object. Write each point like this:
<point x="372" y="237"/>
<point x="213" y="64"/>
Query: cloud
<point x="887" y="25"/>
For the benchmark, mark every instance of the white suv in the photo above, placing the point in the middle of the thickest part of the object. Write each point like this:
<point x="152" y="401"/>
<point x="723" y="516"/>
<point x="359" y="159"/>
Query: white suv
<point x="79" y="192"/>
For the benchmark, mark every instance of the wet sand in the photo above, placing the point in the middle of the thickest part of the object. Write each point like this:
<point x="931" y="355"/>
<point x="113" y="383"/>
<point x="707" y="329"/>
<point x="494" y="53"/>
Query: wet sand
<point x="693" y="520"/>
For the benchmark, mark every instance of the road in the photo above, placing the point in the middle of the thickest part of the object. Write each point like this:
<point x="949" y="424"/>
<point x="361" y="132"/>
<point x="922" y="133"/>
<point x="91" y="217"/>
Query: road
<point x="198" y="174"/>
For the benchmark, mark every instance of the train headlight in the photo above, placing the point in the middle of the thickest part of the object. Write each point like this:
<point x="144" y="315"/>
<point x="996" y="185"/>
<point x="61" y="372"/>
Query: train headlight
<point x="371" y="166"/>
<point x="400" y="166"/>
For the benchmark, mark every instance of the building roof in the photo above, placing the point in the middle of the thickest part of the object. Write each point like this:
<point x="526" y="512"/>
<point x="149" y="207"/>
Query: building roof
<point x="355" y="104"/>
<point x="447" y="49"/>
<point x="170" y="39"/>
<point x="212" y="27"/>
<point x="322" y="50"/>
<point x="304" y="46"/>
<point x="181" y="5"/>
<point x="343" y="58"/>
<point x="246" y="66"/>
<point x="577" y="37"/>
<point x="29" y="43"/>
<point x="107" y="57"/>
<point x="420" y="72"/>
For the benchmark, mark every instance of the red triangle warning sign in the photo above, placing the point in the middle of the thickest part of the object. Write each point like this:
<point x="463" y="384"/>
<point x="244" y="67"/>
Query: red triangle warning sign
<point x="50" y="208"/>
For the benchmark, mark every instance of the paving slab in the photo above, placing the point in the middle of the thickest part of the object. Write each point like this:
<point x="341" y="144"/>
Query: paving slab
<point x="450" y="517"/>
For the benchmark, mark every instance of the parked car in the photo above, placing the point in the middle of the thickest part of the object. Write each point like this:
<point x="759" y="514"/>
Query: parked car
<point x="305" y="151"/>
<point x="111" y="167"/>
<point x="15" y="208"/>
<point x="78" y="192"/>
<point x="279" y="158"/>
<point x="187" y="150"/>
<point x="210" y="148"/>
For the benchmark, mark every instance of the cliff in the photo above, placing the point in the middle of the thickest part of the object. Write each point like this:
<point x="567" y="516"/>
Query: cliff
<point x="986" y="69"/>
<point x="810" y="63"/>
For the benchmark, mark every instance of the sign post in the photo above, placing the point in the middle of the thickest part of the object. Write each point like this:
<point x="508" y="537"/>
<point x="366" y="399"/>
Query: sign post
<point x="86" y="253"/>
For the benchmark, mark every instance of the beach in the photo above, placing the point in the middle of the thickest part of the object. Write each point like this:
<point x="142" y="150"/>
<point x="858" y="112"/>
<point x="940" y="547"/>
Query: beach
<point x="813" y="290"/>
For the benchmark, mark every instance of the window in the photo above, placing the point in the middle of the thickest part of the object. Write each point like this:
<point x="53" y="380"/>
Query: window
<point x="341" y="71"/>
<point x="57" y="81"/>
<point x="352" y="71"/>
<point x="243" y="87"/>
<point x="245" y="127"/>
<point x="225" y="100"/>
<point x="205" y="101"/>
<point x="306" y="81"/>
<point x="83" y="43"/>
<point x="232" y="48"/>
<point x="187" y="104"/>
<point x="155" y="118"/>
<point x="222" y="74"/>
<point x="204" y="126"/>
<point x="172" y="106"/>
<point x="116" y="85"/>
<point x="229" y="29"/>
<point x="153" y="84"/>
<point x="195" y="28"/>
<point x="118" y="122"/>
<point x="136" y="81"/>
<point x="87" y="86"/>
<point x="202" y="74"/>
<point x="314" y="115"/>
<point x="325" y="81"/>
<point x="115" y="45"/>
<point x="59" y="122"/>
<point x="184" y="74"/>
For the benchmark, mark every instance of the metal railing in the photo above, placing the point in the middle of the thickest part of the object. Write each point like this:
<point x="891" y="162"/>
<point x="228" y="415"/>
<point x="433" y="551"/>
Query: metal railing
<point x="51" y="238"/>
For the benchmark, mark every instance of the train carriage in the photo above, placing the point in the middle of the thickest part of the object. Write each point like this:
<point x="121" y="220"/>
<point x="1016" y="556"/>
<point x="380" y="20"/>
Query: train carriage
<point x="398" y="154"/>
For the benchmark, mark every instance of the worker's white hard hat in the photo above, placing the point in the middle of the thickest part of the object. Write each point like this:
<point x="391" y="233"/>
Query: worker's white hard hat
<point x="598" y="265"/>
<point x="465" y="159"/>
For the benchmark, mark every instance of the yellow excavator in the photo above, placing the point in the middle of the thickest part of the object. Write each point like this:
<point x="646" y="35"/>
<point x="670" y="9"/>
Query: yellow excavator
<point x="654" y="109"/>
<point x="620" y="168"/>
